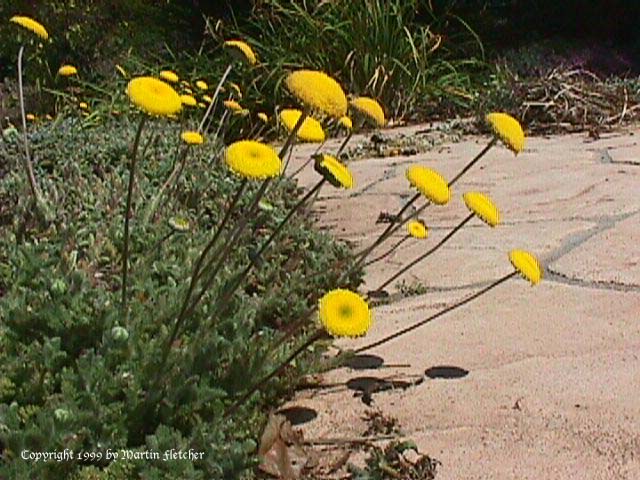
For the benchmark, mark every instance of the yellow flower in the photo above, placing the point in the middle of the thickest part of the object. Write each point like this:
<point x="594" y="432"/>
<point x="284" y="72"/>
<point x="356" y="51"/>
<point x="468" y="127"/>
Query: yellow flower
<point x="169" y="76"/>
<point x="31" y="117"/>
<point x="188" y="100"/>
<point x="188" y="91"/>
<point x="232" y="105"/>
<point x="243" y="112"/>
<point x="30" y="24"/>
<point x="345" y="122"/>
<point x="48" y="117"/>
<point x="201" y="105"/>
<point x="344" y="313"/>
<point x="236" y="88"/>
<point x="207" y="98"/>
<point x="67" y="70"/>
<point x="318" y="90"/>
<point x="527" y="265"/>
<point x="192" y="138"/>
<point x="263" y="116"/>
<point x="179" y="224"/>
<point x="121" y="71"/>
<point x="202" y="85"/>
<point x="430" y="183"/>
<point x="243" y="49"/>
<point x="83" y="105"/>
<point x="154" y="96"/>
<point x="508" y="129"/>
<point x="483" y="207"/>
<point x="370" y="108"/>
<point x="334" y="172"/>
<point x="310" y="131"/>
<point x="417" y="229"/>
<point x="254" y="160"/>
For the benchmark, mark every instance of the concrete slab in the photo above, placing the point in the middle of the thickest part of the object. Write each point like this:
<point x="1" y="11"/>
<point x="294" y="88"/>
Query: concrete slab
<point x="522" y="383"/>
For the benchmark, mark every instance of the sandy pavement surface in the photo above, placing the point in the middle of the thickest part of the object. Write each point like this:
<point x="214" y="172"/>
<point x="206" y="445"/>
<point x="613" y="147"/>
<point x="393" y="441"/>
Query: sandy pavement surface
<point x="522" y="383"/>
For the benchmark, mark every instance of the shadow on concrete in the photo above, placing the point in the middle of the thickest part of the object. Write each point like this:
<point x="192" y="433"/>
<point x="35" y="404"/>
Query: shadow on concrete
<point x="446" y="371"/>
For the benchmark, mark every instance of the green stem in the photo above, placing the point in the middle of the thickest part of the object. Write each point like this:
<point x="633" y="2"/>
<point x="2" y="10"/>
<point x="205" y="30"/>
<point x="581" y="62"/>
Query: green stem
<point x="215" y="96"/>
<point x="474" y="161"/>
<point x="387" y="232"/>
<point x="125" y="250"/>
<point x="437" y="315"/>
<point x="426" y="254"/>
<point x="155" y="202"/>
<point x="388" y="252"/>
<point x="344" y="144"/>
<point x="292" y="135"/>
<point x="255" y="258"/>
<point x="232" y="241"/>
<point x="196" y="271"/>
<point x="276" y="371"/>
<point x="31" y="178"/>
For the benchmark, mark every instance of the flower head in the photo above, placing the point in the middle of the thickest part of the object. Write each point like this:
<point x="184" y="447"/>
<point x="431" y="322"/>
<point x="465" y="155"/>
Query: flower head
<point x="192" y="138"/>
<point x="527" y="265"/>
<point x="370" y="108"/>
<point x="253" y="160"/>
<point x="207" y="98"/>
<point x="334" y="172"/>
<point x="309" y="131"/>
<point x="345" y="122"/>
<point x="344" y="313"/>
<point x="202" y="85"/>
<point x="232" y="105"/>
<point x="188" y="100"/>
<point x="430" y="183"/>
<point x="263" y="116"/>
<point x="242" y="50"/>
<point x="318" y="90"/>
<point x="169" y="76"/>
<point x="483" y="207"/>
<point x="508" y="129"/>
<point x="154" y="96"/>
<point x="31" y="117"/>
<point x="67" y="70"/>
<point x="83" y="105"/>
<point x="417" y="229"/>
<point x="236" y="88"/>
<point x="179" y="224"/>
<point x="30" y="24"/>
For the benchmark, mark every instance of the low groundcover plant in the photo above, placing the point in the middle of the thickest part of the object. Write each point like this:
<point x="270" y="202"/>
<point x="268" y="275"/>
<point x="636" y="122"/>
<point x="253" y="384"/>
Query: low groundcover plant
<point x="176" y="292"/>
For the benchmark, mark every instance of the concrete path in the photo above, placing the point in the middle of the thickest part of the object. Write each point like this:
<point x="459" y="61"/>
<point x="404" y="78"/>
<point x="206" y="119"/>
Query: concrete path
<point x="523" y="383"/>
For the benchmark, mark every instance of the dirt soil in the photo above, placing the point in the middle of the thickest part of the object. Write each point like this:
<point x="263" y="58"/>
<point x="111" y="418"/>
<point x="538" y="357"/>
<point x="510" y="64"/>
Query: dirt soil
<point x="523" y="383"/>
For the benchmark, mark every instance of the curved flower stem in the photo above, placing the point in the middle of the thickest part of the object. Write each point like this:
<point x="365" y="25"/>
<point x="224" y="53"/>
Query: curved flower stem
<point x="437" y="315"/>
<point x="197" y="269"/>
<point x="493" y="141"/>
<point x="426" y="254"/>
<point x="31" y="178"/>
<point x="215" y="97"/>
<point x="223" y="301"/>
<point x="232" y="239"/>
<point x="390" y="230"/>
<point x="292" y="135"/>
<point x="343" y="145"/>
<point x="387" y="232"/>
<point x="276" y="371"/>
<point x="127" y="214"/>
<point x="393" y="227"/>
<point x="388" y="252"/>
